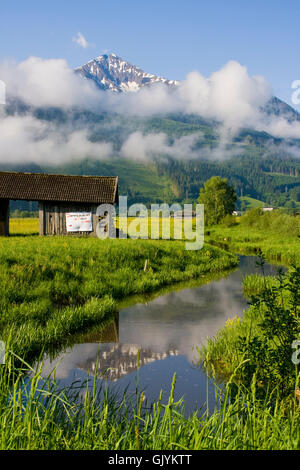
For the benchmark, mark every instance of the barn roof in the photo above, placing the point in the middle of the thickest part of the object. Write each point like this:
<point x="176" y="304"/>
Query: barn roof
<point x="58" y="188"/>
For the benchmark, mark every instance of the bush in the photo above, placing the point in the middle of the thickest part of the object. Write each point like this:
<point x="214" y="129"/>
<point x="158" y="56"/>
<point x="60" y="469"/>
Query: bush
<point x="229" y="221"/>
<point x="251" y="217"/>
<point x="260" y="345"/>
<point x="275" y="221"/>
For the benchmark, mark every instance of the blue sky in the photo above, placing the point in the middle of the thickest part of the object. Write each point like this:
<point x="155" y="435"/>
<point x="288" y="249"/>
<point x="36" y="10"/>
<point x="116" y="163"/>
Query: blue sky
<point x="168" y="38"/>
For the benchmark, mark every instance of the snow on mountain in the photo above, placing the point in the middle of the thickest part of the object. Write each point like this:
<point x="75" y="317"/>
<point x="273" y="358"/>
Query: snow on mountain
<point x="110" y="72"/>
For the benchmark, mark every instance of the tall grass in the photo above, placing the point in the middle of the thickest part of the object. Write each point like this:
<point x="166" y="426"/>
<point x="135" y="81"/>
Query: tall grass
<point x="253" y="284"/>
<point x="35" y="414"/>
<point x="264" y="336"/>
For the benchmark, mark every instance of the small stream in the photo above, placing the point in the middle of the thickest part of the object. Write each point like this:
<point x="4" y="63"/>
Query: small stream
<point x="163" y="333"/>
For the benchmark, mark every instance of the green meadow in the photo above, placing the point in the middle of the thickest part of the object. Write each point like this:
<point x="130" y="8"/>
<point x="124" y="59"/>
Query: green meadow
<point x="260" y="344"/>
<point x="53" y="288"/>
<point x="276" y="234"/>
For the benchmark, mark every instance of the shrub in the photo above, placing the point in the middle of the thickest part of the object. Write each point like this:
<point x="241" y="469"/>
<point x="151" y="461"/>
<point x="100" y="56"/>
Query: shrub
<point x="229" y="221"/>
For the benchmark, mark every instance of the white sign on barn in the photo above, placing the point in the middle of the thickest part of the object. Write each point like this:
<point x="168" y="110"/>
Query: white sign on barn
<point x="79" y="222"/>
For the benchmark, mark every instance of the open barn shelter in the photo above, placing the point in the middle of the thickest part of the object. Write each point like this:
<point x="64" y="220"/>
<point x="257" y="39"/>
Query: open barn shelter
<point x="67" y="204"/>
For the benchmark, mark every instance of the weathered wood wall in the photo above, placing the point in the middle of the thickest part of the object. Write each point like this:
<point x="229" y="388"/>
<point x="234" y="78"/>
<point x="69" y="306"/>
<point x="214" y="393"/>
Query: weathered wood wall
<point x="53" y="218"/>
<point x="4" y="217"/>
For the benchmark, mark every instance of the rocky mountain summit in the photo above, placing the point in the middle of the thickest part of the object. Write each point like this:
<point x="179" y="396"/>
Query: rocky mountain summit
<point x="110" y="72"/>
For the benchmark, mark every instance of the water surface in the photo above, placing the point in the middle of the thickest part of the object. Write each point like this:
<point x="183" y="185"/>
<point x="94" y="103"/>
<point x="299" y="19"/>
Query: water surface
<point x="162" y="335"/>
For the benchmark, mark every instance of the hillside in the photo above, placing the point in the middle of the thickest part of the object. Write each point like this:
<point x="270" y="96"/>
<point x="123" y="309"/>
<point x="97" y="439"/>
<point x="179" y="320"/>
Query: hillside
<point x="254" y="172"/>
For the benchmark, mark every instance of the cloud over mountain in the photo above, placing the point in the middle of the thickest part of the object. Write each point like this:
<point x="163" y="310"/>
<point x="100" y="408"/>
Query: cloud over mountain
<point x="230" y="97"/>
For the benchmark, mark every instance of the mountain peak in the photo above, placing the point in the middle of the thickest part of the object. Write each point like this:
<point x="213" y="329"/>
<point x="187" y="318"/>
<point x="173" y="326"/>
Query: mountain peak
<point x="111" y="56"/>
<point x="111" y="72"/>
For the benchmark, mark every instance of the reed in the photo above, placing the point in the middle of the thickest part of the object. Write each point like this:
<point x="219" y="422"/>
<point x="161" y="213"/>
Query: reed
<point x="35" y="414"/>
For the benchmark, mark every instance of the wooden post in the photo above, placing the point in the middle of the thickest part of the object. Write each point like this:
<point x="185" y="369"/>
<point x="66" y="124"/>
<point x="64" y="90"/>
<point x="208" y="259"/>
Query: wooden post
<point x="42" y="218"/>
<point x="56" y="221"/>
<point x="4" y="217"/>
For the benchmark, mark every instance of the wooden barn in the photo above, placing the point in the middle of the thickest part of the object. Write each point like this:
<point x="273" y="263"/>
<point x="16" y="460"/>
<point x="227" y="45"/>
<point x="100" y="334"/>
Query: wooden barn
<point x="67" y="204"/>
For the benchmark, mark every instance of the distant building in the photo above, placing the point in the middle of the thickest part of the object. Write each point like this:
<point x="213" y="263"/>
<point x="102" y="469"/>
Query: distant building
<point x="267" y="209"/>
<point x="236" y="213"/>
<point x="184" y="214"/>
<point x="67" y="204"/>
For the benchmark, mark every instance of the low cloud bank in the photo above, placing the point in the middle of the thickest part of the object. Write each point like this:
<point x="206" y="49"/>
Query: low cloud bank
<point x="229" y="96"/>
<point x="26" y="139"/>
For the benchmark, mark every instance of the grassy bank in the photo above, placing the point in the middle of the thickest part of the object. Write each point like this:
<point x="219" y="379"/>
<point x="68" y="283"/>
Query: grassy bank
<point x="258" y="347"/>
<point x="275" y="234"/>
<point x="39" y="416"/>
<point x="265" y="334"/>
<point x="263" y="339"/>
<point x="54" y="287"/>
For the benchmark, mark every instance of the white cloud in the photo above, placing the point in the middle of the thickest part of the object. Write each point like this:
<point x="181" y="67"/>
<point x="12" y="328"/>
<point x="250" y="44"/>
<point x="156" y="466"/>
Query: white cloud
<point x="230" y="96"/>
<point x="280" y="127"/>
<point x="145" y="147"/>
<point x="39" y="82"/>
<point x="80" y="40"/>
<point x="26" y="139"/>
<point x="139" y="146"/>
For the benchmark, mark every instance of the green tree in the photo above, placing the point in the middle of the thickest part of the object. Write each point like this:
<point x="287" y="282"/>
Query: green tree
<point x="295" y="194"/>
<point x="218" y="198"/>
